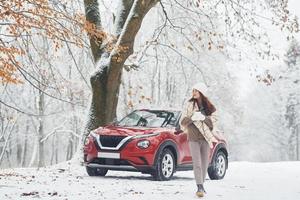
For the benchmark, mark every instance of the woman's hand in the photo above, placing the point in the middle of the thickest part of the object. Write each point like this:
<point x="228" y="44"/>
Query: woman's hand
<point x="198" y="116"/>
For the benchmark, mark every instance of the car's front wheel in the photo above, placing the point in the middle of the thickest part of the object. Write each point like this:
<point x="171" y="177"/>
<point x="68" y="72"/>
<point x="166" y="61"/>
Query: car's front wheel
<point x="219" y="165"/>
<point x="165" y="166"/>
<point x="96" y="171"/>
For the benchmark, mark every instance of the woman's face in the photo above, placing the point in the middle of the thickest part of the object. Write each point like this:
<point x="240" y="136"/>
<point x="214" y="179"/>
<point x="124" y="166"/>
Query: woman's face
<point x="196" y="94"/>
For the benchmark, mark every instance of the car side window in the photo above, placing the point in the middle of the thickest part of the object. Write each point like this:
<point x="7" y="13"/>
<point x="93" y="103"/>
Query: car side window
<point x="174" y="119"/>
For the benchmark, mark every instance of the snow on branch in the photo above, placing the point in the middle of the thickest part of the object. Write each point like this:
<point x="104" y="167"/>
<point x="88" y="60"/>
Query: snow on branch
<point x="124" y="29"/>
<point x="56" y="130"/>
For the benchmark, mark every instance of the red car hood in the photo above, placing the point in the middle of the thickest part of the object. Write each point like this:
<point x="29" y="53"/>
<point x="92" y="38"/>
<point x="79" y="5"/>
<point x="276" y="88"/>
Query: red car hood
<point x="126" y="131"/>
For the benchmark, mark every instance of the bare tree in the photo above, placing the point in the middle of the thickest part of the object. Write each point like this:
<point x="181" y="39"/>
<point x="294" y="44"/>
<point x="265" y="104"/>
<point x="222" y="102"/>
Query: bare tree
<point x="110" y="61"/>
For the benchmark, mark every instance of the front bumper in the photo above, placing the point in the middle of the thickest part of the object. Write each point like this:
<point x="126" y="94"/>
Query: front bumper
<point x="131" y="157"/>
<point x="118" y="165"/>
<point x="112" y="167"/>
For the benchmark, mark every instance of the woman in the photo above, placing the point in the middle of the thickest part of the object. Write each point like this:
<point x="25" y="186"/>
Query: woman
<point x="196" y="121"/>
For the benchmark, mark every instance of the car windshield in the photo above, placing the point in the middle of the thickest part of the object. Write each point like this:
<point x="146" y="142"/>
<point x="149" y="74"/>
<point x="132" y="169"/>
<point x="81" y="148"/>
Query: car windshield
<point x="147" y="118"/>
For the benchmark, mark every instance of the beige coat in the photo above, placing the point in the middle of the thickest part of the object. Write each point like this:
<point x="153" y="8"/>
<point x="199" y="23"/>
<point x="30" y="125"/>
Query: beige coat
<point x="207" y="133"/>
<point x="192" y="131"/>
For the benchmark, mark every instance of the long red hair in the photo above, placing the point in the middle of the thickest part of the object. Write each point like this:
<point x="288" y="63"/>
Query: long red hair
<point x="209" y="108"/>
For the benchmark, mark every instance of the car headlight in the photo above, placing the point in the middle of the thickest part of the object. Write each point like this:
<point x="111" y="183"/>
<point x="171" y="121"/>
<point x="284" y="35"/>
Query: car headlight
<point x="143" y="144"/>
<point x="93" y="134"/>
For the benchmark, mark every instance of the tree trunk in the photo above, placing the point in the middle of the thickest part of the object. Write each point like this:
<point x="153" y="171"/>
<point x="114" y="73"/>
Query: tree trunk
<point x="24" y="155"/>
<point x="106" y="80"/>
<point x="8" y="159"/>
<point x="19" y="147"/>
<point x="53" y="148"/>
<point x="105" y="92"/>
<point x="41" y="104"/>
<point x="4" y="148"/>
<point x="34" y="152"/>
<point x="56" y="149"/>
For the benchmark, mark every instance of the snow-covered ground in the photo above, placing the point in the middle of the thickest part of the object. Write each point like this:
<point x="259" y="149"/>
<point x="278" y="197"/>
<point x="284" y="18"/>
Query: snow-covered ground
<point x="244" y="180"/>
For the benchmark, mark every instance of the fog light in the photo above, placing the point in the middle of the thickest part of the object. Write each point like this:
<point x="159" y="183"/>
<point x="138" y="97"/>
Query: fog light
<point x="143" y="144"/>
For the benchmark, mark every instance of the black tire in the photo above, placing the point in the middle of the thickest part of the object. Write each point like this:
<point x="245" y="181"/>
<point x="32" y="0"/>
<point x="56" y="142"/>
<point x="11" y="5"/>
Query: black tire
<point x="218" y="168"/>
<point x="96" y="171"/>
<point x="165" y="166"/>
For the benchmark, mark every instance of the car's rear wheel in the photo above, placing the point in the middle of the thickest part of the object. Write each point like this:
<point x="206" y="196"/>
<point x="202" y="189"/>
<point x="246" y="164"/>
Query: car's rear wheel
<point x="219" y="165"/>
<point x="96" y="171"/>
<point x="165" y="166"/>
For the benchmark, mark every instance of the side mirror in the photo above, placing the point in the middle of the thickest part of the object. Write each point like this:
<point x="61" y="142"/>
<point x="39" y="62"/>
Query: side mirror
<point x="178" y="131"/>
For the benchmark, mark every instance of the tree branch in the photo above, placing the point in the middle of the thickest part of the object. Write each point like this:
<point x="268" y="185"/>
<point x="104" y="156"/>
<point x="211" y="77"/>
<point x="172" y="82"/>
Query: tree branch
<point x="92" y="14"/>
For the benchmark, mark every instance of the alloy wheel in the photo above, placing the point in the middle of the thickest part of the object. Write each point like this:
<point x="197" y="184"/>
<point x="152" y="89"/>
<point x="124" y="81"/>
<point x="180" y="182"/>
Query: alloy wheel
<point x="167" y="165"/>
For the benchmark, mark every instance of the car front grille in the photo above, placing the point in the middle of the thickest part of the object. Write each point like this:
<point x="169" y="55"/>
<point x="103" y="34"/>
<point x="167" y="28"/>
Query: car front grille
<point x="110" y="161"/>
<point x="111" y="140"/>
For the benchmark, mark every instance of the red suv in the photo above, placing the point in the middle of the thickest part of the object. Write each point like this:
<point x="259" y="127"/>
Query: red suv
<point x="148" y="141"/>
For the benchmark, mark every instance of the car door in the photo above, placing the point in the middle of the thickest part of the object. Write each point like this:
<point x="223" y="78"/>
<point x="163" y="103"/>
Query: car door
<point x="182" y="142"/>
<point x="184" y="148"/>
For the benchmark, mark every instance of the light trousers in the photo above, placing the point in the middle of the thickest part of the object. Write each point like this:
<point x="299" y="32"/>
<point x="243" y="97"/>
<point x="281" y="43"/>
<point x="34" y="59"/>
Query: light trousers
<point x="200" y="153"/>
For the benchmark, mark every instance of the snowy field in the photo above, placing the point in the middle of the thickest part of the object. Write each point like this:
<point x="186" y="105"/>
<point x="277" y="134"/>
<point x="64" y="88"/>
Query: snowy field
<point x="244" y="180"/>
